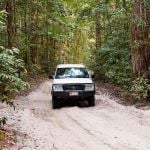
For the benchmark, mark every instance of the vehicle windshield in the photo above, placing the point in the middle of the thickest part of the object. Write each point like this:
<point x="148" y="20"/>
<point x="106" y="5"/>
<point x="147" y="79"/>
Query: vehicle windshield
<point x="74" y="72"/>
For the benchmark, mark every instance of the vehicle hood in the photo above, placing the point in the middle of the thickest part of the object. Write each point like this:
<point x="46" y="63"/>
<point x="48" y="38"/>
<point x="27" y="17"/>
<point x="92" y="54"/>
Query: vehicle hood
<point x="72" y="80"/>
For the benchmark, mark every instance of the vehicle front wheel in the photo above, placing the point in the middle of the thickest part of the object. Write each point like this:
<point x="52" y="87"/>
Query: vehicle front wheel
<point x="55" y="103"/>
<point x="91" y="101"/>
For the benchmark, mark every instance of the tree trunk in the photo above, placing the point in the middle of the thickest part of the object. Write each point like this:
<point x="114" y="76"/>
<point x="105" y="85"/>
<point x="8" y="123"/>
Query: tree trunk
<point x="14" y="16"/>
<point x="140" y="38"/>
<point x="9" y="10"/>
<point x="35" y="38"/>
<point x="47" y="38"/>
<point x="98" y="26"/>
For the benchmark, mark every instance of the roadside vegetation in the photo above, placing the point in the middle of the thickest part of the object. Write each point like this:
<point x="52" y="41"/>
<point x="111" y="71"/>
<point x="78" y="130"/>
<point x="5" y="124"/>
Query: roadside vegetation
<point x="109" y="36"/>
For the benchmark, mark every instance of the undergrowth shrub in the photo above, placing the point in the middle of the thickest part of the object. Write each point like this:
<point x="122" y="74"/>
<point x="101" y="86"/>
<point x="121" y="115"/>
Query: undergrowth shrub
<point x="10" y="82"/>
<point x="140" y="89"/>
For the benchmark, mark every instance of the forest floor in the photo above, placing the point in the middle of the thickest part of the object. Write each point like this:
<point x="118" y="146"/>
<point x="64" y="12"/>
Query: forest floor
<point x="107" y="126"/>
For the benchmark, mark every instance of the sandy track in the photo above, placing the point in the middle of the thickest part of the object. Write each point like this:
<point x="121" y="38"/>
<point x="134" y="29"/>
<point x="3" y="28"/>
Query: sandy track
<point x="107" y="126"/>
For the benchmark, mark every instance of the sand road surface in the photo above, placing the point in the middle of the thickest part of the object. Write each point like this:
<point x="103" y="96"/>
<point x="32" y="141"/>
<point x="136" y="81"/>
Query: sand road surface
<point x="107" y="126"/>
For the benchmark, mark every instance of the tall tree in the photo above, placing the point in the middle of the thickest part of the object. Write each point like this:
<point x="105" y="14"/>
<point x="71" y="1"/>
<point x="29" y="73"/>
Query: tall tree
<point x="98" y="25"/>
<point x="9" y="10"/>
<point x="140" y="38"/>
<point x="35" y="37"/>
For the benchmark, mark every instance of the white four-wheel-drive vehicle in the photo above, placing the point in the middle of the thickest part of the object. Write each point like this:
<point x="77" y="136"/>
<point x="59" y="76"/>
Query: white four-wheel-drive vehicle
<point x="72" y="82"/>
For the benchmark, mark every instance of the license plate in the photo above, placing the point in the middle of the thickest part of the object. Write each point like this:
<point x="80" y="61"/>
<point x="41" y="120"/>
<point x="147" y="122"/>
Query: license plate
<point x="73" y="93"/>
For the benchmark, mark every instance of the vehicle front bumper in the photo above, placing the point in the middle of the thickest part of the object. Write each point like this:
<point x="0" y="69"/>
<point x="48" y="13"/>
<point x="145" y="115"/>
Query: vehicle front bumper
<point x="66" y="94"/>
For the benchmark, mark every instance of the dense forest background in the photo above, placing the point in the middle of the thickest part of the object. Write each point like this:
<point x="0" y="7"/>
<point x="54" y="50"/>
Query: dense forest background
<point x="110" y="36"/>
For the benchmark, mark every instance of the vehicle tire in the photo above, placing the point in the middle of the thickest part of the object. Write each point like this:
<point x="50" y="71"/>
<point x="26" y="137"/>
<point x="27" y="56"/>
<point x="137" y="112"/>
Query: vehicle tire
<point x="55" y="103"/>
<point x="91" y="101"/>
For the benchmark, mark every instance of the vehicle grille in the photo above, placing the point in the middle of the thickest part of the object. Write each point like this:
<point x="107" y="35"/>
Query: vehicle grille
<point x="73" y="87"/>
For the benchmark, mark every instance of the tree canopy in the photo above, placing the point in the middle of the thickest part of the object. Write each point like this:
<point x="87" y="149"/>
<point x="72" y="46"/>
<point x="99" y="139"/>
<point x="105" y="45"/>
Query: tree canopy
<point x="109" y="36"/>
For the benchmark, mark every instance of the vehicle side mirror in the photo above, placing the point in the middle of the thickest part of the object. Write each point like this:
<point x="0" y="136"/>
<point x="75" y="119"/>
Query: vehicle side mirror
<point x="91" y="73"/>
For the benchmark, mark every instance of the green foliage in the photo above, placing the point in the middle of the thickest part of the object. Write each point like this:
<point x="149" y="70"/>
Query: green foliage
<point x="35" y="71"/>
<point x="9" y="76"/>
<point x="113" y="60"/>
<point x="63" y="31"/>
<point x="140" y="88"/>
<point x="117" y="64"/>
<point x="2" y="18"/>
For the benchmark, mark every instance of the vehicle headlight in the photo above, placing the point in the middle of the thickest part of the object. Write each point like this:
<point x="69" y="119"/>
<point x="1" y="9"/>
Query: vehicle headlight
<point x="89" y="87"/>
<point x="57" y="87"/>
